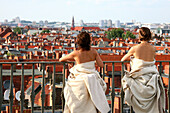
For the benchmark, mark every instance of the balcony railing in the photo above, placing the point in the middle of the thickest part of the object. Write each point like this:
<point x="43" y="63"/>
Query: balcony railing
<point x="102" y="72"/>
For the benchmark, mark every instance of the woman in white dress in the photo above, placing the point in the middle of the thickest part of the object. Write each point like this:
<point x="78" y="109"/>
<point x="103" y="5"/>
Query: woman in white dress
<point x="143" y="86"/>
<point x="85" y="90"/>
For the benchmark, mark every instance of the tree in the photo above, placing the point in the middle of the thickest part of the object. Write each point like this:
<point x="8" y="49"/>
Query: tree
<point x="17" y="30"/>
<point x="46" y="31"/>
<point x="128" y="34"/>
<point x="119" y="32"/>
<point x="114" y="33"/>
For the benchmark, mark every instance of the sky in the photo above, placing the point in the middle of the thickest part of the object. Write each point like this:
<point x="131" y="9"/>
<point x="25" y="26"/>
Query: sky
<point x="145" y="11"/>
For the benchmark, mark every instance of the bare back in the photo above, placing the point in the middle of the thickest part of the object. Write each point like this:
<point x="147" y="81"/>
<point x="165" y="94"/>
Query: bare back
<point x="85" y="56"/>
<point x="144" y="51"/>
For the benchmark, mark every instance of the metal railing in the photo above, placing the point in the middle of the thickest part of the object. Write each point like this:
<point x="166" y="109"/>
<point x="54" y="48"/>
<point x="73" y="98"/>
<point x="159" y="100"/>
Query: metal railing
<point x="112" y="94"/>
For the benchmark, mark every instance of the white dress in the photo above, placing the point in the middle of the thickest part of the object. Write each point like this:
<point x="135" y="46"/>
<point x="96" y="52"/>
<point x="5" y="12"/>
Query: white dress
<point x="143" y="87"/>
<point x="85" y="90"/>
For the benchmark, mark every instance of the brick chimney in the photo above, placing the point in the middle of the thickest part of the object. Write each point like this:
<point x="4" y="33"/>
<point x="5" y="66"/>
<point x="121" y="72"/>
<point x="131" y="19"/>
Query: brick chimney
<point x="30" y="55"/>
<point x="42" y="43"/>
<point x="47" y="54"/>
<point x="25" y="56"/>
<point x="57" y="54"/>
<point x="17" y="48"/>
<point x="52" y="48"/>
<point x="36" y="53"/>
<point x="28" y="40"/>
<point x="114" y="50"/>
<point x="43" y="53"/>
<point x="16" y="57"/>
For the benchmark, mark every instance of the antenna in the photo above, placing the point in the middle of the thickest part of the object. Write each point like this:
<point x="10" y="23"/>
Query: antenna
<point x="17" y="95"/>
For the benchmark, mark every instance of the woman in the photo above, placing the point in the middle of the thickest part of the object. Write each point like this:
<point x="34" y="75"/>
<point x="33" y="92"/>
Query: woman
<point x="143" y="86"/>
<point x="85" y="90"/>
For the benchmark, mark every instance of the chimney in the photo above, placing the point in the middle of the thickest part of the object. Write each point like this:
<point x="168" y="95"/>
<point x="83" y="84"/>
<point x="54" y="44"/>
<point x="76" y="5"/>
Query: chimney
<point x="43" y="53"/>
<point x="57" y="54"/>
<point x="26" y="47"/>
<point x="17" y="58"/>
<point x="24" y="57"/>
<point x="28" y="40"/>
<point x="36" y="53"/>
<point x="42" y="44"/>
<point x="47" y="54"/>
<point x="30" y="55"/>
<point x="114" y="50"/>
<point x="17" y="48"/>
<point x="52" y="48"/>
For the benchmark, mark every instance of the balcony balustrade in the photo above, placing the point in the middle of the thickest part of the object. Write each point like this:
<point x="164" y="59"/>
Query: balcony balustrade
<point x="103" y="72"/>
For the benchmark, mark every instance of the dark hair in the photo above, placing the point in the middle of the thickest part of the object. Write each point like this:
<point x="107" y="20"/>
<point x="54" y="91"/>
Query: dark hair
<point x="83" y="41"/>
<point x="144" y="34"/>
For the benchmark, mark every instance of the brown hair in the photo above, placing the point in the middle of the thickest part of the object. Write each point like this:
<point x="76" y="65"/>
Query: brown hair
<point x="144" y="34"/>
<point x="83" y="41"/>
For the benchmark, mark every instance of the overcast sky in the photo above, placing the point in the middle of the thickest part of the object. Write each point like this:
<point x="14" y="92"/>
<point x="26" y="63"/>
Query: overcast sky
<point x="145" y="11"/>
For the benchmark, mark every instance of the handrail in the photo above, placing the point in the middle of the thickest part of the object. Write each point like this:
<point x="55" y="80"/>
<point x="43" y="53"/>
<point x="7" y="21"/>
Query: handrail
<point x="55" y="63"/>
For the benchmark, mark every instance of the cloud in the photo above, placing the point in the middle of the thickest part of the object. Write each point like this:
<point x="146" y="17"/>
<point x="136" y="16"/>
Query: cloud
<point x="71" y="2"/>
<point x="68" y="2"/>
<point x="101" y="1"/>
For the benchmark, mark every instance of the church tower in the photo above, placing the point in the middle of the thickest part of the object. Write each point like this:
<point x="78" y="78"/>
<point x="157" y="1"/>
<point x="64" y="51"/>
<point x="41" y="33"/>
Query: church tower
<point x="72" y="22"/>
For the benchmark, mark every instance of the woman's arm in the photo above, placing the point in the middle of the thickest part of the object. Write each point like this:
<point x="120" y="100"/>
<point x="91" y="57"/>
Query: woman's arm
<point x="68" y="57"/>
<point x="99" y="60"/>
<point x="130" y="53"/>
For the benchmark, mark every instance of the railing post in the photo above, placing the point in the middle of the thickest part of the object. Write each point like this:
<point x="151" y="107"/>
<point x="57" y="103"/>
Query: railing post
<point x="11" y="89"/>
<point x="160" y="69"/>
<point x="131" y="109"/>
<point x="32" y="93"/>
<point x="22" y="89"/>
<point x="122" y="93"/>
<point x="1" y="92"/>
<point x="169" y="90"/>
<point x="43" y="89"/>
<point x="103" y="71"/>
<point x="53" y="90"/>
<point x="63" y="101"/>
<point x="113" y="89"/>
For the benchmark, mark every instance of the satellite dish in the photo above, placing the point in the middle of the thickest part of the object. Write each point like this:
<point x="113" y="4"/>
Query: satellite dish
<point x="17" y="95"/>
<point x="6" y="94"/>
<point x="6" y="84"/>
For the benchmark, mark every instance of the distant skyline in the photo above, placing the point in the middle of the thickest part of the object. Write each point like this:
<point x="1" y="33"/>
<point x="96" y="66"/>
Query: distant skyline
<point x="90" y="11"/>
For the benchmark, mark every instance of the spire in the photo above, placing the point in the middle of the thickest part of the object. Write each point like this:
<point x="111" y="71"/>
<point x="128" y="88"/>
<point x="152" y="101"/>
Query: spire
<point x="72" y="22"/>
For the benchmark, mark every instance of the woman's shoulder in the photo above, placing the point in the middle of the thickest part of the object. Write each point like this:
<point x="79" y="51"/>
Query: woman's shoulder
<point x="93" y="50"/>
<point x="75" y="52"/>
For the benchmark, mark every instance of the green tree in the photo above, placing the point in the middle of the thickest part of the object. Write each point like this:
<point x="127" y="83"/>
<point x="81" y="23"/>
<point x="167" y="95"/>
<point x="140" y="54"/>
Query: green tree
<point x="34" y="34"/>
<point x="46" y="31"/>
<point x="114" y="33"/>
<point x="128" y="34"/>
<point x="119" y="32"/>
<point x="17" y="30"/>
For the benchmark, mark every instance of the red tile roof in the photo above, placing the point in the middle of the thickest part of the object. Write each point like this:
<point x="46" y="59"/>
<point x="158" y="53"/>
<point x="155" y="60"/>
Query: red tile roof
<point x="85" y="28"/>
<point x="7" y="35"/>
